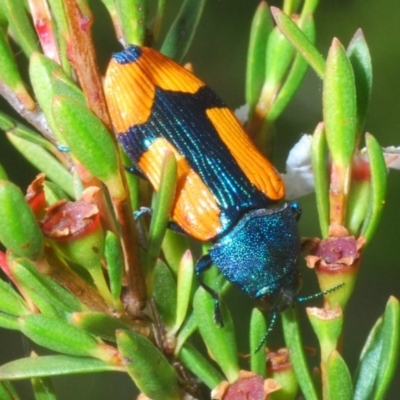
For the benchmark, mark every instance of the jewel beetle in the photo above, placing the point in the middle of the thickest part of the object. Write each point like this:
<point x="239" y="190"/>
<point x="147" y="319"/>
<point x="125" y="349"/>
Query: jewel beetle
<point x="227" y="192"/>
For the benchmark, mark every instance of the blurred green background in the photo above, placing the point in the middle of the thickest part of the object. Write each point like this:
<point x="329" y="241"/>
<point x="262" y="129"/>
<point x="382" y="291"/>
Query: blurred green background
<point x="219" y="56"/>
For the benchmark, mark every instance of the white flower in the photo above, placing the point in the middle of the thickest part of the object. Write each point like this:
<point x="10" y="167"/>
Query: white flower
<point x="299" y="178"/>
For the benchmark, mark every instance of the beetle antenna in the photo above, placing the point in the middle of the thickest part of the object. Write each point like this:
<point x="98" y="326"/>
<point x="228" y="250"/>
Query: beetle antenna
<point x="270" y="328"/>
<point x="323" y="293"/>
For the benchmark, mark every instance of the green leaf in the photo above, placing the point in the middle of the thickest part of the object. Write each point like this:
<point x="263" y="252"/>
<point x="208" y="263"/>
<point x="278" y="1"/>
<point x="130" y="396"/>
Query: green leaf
<point x="220" y="342"/>
<point x="174" y="247"/>
<point x="261" y="27"/>
<point x="360" y="60"/>
<point x="43" y="389"/>
<point x="44" y="162"/>
<point x="378" y="187"/>
<point x="291" y="331"/>
<point x="19" y="230"/>
<point x="34" y="367"/>
<point x="148" y="367"/>
<point x="48" y="296"/>
<point x="181" y="32"/>
<point x="390" y="352"/>
<point x="300" y="41"/>
<point x="319" y="160"/>
<point x="8" y="321"/>
<point x="9" y="73"/>
<point x="58" y="335"/>
<point x="258" y="329"/>
<point x="184" y="289"/>
<point x="158" y="18"/>
<point x="357" y="205"/>
<point x="200" y="366"/>
<point x="11" y="302"/>
<point x="133" y="17"/>
<point x="48" y="80"/>
<point x="294" y="77"/>
<point x="368" y="364"/>
<point x="187" y="330"/>
<point x="162" y="206"/>
<point x="339" y="106"/>
<point x="87" y="137"/>
<point x="7" y="392"/>
<point x="338" y="382"/>
<point x="21" y="26"/>
<point x="115" y="263"/>
<point x="164" y="294"/>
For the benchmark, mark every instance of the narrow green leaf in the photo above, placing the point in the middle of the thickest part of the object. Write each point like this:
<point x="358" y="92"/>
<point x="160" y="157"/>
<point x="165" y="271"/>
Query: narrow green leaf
<point x="279" y="55"/>
<point x="339" y="106"/>
<point x="200" y="366"/>
<point x="49" y="296"/>
<point x="158" y="18"/>
<point x="360" y="60"/>
<point x="7" y="392"/>
<point x="3" y="173"/>
<point x="132" y="14"/>
<point x="378" y="187"/>
<point x="261" y="27"/>
<point x="309" y="7"/>
<point x="8" y="124"/>
<point x="174" y="247"/>
<point x="291" y="330"/>
<point x="188" y="328"/>
<point x="44" y="162"/>
<point x="34" y="367"/>
<point x="220" y="342"/>
<point x="87" y="138"/>
<point x="11" y="302"/>
<point x="181" y="32"/>
<point x="319" y="159"/>
<point x="148" y="367"/>
<point x="62" y="28"/>
<point x="258" y="329"/>
<point x="19" y="230"/>
<point x="294" y="77"/>
<point x="8" y="321"/>
<point x="162" y="206"/>
<point x="338" y="382"/>
<point x="43" y="389"/>
<point x="98" y="324"/>
<point x="164" y="294"/>
<point x="390" y="352"/>
<point x="53" y="193"/>
<point x="115" y="263"/>
<point x="21" y="26"/>
<point x="300" y="41"/>
<point x="357" y="205"/>
<point x="184" y="289"/>
<point x="58" y="335"/>
<point x="368" y="364"/>
<point x="48" y="80"/>
<point x="9" y="73"/>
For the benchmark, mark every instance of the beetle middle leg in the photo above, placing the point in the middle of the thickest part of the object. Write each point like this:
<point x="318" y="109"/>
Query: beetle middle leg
<point x="203" y="265"/>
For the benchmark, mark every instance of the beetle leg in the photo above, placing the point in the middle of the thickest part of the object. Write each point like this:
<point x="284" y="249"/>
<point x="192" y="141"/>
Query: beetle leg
<point x="136" y="171"/>
<point x="176" y="228"/>
<point x="203" y="265"/>
<point x="142" y="211"/>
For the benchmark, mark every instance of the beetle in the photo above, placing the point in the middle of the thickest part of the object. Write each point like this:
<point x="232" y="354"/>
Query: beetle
<point x="227" y="191"/>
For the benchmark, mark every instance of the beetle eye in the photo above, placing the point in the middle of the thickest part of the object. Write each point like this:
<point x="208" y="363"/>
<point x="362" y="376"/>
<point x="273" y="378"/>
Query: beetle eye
<point x="265" y="302"/>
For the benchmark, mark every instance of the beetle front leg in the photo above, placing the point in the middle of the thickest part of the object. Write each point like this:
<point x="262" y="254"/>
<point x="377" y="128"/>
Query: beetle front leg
<point x="203" y="265"/>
